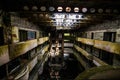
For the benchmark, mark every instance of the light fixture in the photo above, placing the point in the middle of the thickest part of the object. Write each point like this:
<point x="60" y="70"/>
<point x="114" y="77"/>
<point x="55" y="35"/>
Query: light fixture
<point x="64" y="20"/>
<point x="26" y="8"/>
<point x="51" y="8"/>
<point x="68" y="9"/>
<point x="35" y="15"/>
<point x="107" y="10"/>
<point x="41" y="15"/>
<point x="76" y="9"/>
<point x="84" y="10"/>
<point x="34" y="8"/>
<point x="43" y="8"/>
<point x="92" y="10"/>
<point x="100" y="10"/>
<point x="46" y="15"/>
<point x="60" y="9"/>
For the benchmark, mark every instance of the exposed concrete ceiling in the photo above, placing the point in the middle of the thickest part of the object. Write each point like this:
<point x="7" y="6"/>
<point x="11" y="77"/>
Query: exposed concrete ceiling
<point x="31" y="10"/>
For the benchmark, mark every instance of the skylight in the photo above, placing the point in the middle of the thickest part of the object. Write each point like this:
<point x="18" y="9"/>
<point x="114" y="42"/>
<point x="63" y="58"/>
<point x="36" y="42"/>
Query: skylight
<point x="65" y="20"/>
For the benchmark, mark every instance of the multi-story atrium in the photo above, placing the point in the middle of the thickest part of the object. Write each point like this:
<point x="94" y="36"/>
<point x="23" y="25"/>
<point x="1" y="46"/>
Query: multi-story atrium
<point x="59" y="39"/>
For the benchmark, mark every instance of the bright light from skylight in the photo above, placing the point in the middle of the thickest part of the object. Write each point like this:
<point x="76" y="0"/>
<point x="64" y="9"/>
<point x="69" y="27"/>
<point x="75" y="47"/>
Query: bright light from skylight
<point x="66" y="20"/>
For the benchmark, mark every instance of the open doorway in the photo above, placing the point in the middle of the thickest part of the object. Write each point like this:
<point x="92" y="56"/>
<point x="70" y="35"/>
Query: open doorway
<point x="107" y="56"/>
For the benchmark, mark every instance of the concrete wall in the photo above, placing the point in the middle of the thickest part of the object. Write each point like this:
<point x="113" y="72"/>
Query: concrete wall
<point x="103" y="26"/>
<point x="118" y="35"/>
<point x="22" y="22"/>
<point x="98" y="31"/>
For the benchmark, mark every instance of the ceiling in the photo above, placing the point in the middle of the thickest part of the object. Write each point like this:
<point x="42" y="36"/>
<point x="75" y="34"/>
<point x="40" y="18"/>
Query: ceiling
<point x="63" y="14"/>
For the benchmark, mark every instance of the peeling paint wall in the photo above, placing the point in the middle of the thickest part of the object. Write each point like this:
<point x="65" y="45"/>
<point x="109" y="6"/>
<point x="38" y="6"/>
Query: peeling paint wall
<point x="118" y="36"/>
<point x="98" y="35"/>
<point x="99" y="29"/>
<point x="115" y="24"/>
<point x="89" y="34"/>
<point x="22" y="48"/>
<point x="4" y="55"/>
<point x="13" y="52"/>
<point x="22" y="22"/>
<point x="15" y="35"/>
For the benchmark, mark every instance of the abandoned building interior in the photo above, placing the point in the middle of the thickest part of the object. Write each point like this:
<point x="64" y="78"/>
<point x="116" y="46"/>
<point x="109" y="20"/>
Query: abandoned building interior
<point x="59" y="39"/>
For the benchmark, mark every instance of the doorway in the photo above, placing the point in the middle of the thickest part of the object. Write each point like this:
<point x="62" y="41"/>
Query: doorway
<point x="1" y="36"/>
<point x="107" y="56"/>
